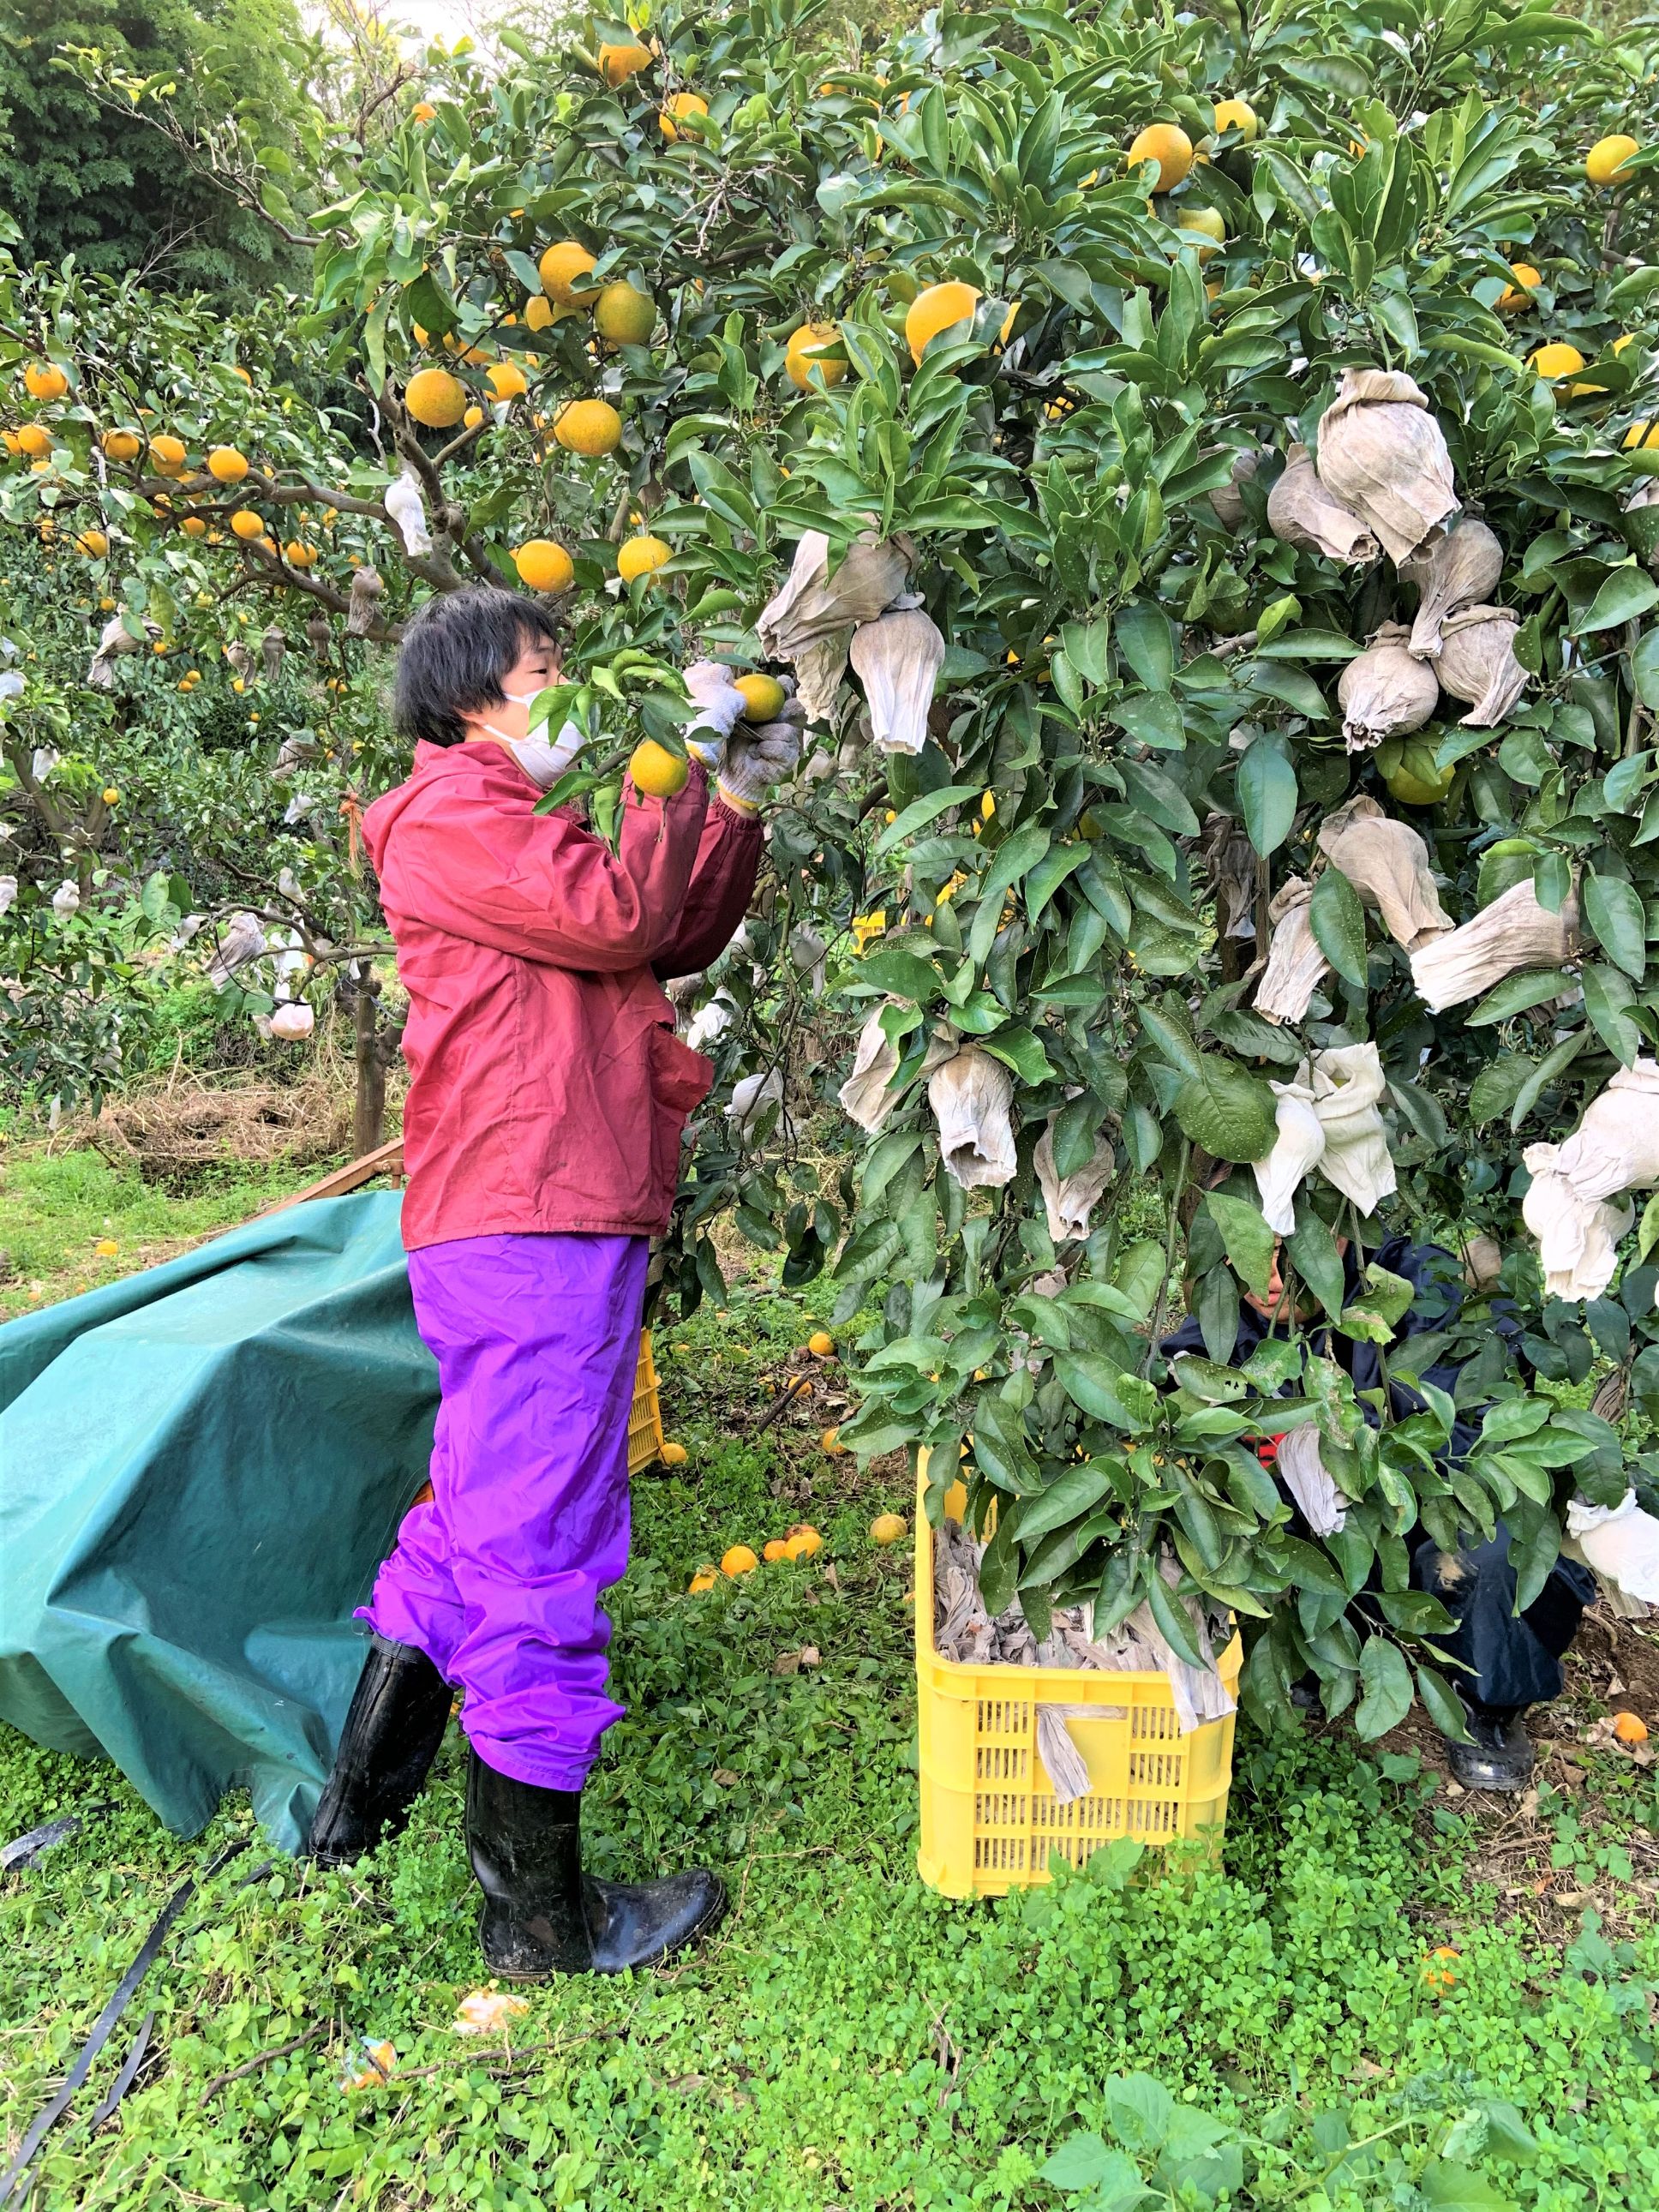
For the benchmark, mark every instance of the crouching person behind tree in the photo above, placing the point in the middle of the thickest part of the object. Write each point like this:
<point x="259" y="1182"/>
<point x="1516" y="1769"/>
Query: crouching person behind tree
<point x="547" y="1097"/>
<point x="1504" y="1660"/>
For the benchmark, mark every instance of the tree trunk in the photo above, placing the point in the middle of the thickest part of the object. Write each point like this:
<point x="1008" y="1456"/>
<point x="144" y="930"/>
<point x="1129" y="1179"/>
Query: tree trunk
<point x="369" y="1112"/>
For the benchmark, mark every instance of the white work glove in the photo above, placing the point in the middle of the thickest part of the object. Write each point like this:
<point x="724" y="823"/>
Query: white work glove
<point x="759" y="756"/>
<point x="1620" y="1543"/>
<point x="719" y="703"/>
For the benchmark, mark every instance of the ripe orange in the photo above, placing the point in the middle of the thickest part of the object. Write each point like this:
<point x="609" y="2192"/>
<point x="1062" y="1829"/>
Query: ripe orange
<point x="246" y="525"/>
<point x="829" y="1443"/>
<point x="122" y="445"/>
<point x="681" y="103"/>
<point x="562" y="269"/>
<point x="44" y="380"/>
<point x="226" y="465"/>
<point x="1167" y="144"/>
<point x="938" y="307"/>
<point x="674" y="1454"/>
<point x="193" y="526"/>
<point x="776" y="1549"/>
<point x="506" y="381"/>
<point x="737" y="1560"/>
<point x="889" y="1529"/>
<point x="34" y="439"/>
<point x="544" y="566"/>
<point x="807" y="370"/>
<point x="625" y="315"/>
<point x="93" y="543"/>
<point x="701" y="1582"/>
<point x="436" y="398"/>
<point x="802" y="1542"/>
<point x="618" y="63"/>
<point x="424" y="112"/>
<point x="166" y="454"/>
<point x="1556" y="360"/>
<point x="473" y="418"/>
<point x="1629" y="1727"/>
<point x="656" y="771"/>
<point x="1513" y="297"/>
<point x="820" y="1344"/>
<point x="640" y="556"/>
<point x="591" y="428"/>
<point x="1608" y="157"/>
<point x="1236" y="115"/>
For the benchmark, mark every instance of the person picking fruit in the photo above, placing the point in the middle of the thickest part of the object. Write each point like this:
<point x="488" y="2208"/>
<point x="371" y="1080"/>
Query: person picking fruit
<point x="548" y="1093"/>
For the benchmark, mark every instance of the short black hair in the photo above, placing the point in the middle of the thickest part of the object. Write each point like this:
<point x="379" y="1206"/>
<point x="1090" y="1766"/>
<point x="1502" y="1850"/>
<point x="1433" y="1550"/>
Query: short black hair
<point x="454" y="654"/>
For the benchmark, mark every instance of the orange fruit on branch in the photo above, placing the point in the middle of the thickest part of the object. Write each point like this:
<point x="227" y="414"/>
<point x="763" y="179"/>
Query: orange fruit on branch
<point x="656" y="771"/>
<point x="938" y="307"/>
<point x="562" y="269"/>
<point x="681" y="104"/>
<point x="624" y="314"/>
<point x="44" y="380"/>
<point x="591" y="428"/>
<point x="437" y="400"/>
<point x="226" y="465"/>
<point x="640" y="556"/>
<point x="166" y="454"/>
<point x="1168" y="146"/>
<point x="545" y="565"/>
<point x="618" y="63"/>
<point x="1608" y="157"/>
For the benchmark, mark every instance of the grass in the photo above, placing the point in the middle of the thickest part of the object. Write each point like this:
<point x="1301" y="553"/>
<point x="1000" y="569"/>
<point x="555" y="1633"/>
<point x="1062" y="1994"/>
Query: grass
<point x="58" y="1207"/>
<point x="848" y="2038"/>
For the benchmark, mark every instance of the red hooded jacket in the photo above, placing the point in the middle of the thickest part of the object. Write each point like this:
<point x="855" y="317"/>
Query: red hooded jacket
<point x="547" y="1089"/>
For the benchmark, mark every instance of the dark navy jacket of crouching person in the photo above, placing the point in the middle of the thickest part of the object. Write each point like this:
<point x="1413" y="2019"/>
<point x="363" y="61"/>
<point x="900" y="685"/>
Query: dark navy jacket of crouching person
<point x="1514" y="1660"/>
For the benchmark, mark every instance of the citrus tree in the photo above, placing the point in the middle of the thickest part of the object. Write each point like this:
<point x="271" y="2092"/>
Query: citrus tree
<point x="1227" y="444"/>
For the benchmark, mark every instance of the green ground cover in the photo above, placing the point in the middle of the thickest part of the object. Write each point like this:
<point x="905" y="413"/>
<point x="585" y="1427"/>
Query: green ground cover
<point x="849" y="2038"/>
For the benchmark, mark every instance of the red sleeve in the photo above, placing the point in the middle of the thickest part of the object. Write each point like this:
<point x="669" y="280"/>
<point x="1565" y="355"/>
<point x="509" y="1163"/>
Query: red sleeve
<point x="545" y="887"/>
<point x="722" y="885"/>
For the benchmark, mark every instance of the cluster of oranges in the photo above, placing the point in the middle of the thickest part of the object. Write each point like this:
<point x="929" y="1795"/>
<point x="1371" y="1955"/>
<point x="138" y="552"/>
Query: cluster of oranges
<point x="800" y="1542"/>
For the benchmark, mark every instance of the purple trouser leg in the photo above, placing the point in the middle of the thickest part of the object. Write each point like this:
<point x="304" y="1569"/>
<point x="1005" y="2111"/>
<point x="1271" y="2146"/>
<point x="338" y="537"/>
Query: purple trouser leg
<point x="497" y="1578"/>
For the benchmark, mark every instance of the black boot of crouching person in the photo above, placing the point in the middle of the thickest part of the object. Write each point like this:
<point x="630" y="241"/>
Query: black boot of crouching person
<point x="542" y="1915"/>
<point x="398" y="1713"/>
<point x="1498" y="1755"/>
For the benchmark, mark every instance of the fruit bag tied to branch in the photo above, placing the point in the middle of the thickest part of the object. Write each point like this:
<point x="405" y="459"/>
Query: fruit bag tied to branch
<point x="1294" y="963"/>
<point x="1388" y="864"/>
<point x="1383" y="692"/>
<point x="1615" y="1148"/>
<point x="1302" y="512"/>
<point x="1514" y="931"/>
<point x="971" y="1095"/>
<point x="1383" y="455"/>
<point x="1329" y="1118"/>
<point x="1453" y="571"/>
<point x="1477" y="664"/>
<point x="865" y="1096"/>
<point x="810" y="620"/>
<point x="1069" y="1201"/>
<point x="897" y="659"/>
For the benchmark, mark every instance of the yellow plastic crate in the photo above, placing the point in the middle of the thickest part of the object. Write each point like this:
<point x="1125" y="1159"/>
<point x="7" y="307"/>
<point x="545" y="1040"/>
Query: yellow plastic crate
<point x="645" y="1436"/>
<point x="989" y="1817"/>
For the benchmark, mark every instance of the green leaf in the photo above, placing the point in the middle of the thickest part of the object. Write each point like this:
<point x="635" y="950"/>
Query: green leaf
<point x="1386" y="1682"/>
<point x="1516" y="993"/>
<point x="1067" y="1499"/>
<point x="1246" y="1237"/>
<point x="1626" y="593"/>
<point x="920" y="811"/>
<point x="1230" y="1112"/>
<point x="1267" y="793"/>
<point x="1496" y="1087"/>
<point x="1448" y="2186"/>
<point x="1104" y="1391"/>
<point x="1146" y="642"/>
<point x="1609" y="998"/>
<point x="1339" y="926"/>
<point x="1315" y="1259"/>
<point x="899" y="974"/>
<point x="1018" y="1049"/>
<point x="1612" y="908"/>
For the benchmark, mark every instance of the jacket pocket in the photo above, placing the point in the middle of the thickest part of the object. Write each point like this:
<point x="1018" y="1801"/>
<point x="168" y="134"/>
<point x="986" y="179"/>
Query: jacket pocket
<point x="680" y="1078"/>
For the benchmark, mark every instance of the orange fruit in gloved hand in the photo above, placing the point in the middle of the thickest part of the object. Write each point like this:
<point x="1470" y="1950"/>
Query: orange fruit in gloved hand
<point x="656" y="771"/>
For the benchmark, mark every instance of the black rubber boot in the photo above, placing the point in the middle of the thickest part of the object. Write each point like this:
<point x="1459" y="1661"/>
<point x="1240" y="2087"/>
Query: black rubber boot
<point x="542" y="1914"/>
<point x="1499" y="1754"/>
<point x="398" y="1713"/>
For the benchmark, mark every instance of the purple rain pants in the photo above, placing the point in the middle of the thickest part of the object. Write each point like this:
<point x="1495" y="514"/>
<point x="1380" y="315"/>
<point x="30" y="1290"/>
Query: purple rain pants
<point x="497" y="1577"/>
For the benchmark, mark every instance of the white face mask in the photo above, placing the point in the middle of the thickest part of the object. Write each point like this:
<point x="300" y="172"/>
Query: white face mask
<point x="543" y="763"/>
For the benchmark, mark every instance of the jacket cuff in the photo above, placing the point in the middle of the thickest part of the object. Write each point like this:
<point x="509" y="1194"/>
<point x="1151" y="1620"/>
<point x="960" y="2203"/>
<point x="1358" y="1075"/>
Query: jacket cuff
<point x="744" y="817"/>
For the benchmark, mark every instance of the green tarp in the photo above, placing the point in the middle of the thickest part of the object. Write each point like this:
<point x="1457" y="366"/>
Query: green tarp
<point x="200" y="1468"/>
